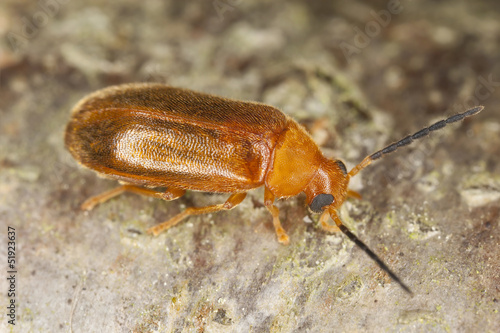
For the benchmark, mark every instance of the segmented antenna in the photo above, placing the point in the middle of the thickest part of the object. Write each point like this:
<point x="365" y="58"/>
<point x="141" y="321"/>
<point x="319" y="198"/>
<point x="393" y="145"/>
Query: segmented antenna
<point x="389" y="149"/>
<point x="369" y="252"/>
<point x="410" y="138"/>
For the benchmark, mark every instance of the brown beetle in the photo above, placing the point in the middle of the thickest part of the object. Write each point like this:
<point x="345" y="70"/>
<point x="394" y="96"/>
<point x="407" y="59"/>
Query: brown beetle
<point x="153" y="135"/>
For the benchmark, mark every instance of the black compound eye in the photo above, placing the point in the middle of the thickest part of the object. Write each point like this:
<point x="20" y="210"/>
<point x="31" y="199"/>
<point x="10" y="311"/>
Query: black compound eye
<point x="320" y="201"/>
<point x="341" y="166"/>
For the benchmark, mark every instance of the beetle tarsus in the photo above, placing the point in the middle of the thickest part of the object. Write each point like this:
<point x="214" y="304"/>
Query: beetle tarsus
<point x="282" y="237"/>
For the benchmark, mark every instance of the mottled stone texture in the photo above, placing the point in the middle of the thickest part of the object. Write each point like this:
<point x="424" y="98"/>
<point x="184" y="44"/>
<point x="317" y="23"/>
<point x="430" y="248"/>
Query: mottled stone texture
<point x="357" y="74"/>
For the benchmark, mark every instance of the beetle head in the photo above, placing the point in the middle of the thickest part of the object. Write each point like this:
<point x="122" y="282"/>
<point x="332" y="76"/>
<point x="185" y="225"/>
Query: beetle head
<point x="328" y="187"/>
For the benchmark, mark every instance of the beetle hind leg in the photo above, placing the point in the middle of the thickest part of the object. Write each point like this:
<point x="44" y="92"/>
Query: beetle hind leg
<point x="169" y="194"/>
<point x="234" y="200"/>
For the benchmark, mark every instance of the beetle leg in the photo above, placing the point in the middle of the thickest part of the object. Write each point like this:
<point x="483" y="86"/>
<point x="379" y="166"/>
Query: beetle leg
<point x="234" y="200"/>
<point x="353" y="194"/>
<point x="325" y="216"/>
<point x="169" y="194"/>
<point x="268" y="202"/>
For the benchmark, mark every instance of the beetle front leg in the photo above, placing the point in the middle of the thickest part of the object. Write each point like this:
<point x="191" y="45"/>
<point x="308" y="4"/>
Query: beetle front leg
<point x="169" y="194"/>
<point x="268" y="202"/>
<point x="353" y="194"/>
<point x="323" y="220"/>
<point x="234" y="200"/>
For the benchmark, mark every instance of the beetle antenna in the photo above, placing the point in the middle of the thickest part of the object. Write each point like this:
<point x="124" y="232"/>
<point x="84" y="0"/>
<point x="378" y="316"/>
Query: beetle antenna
<point x="410" y="138"/>
<point x="369" y="252"/>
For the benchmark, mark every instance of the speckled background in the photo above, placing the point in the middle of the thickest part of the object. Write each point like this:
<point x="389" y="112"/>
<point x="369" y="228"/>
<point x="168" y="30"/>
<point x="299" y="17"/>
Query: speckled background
<point x="357" y="74"/>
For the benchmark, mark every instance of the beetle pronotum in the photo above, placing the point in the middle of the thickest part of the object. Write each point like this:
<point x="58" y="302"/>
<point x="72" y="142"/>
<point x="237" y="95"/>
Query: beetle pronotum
<point x="153" y="135"/>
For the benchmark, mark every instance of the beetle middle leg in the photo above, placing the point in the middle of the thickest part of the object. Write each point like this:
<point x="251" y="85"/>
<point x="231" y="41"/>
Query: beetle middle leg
<point x="169" y="194"/>
<point x="269" y="203"/>
<point x="234" y="200"/>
